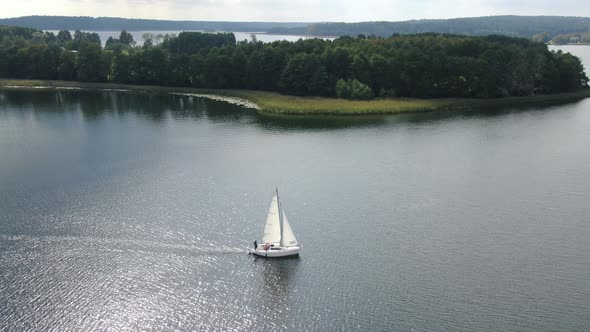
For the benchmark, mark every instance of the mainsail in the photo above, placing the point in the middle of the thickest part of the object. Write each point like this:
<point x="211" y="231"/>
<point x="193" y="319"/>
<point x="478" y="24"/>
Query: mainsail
<point x="272" y="228"/>
<point x="288" y="239"/>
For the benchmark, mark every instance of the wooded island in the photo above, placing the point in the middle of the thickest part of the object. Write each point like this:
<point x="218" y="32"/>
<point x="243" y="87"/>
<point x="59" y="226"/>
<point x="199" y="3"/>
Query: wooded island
<point x="417" y="66"/>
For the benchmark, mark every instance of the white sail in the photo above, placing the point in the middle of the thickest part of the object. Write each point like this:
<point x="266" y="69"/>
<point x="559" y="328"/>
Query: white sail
<point x="272" y="228"/>
<point x="288" y="239"/>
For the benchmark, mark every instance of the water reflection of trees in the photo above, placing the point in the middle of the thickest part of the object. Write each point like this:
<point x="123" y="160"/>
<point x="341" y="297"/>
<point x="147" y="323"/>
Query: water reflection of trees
<point x="280" y="122"/>
<point x="157" y="107"/>
<point x="152" y="106"/>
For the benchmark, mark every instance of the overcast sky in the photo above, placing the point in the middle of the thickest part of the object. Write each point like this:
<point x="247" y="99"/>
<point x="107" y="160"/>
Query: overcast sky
<point x="293" y="10"/>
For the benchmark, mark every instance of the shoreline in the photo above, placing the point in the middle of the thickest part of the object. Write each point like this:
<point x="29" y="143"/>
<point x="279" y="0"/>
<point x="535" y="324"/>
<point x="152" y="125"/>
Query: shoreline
<point x="276" y="103"/>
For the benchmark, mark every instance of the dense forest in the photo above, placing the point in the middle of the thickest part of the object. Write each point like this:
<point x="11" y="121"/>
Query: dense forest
<point x="423" y="65"/>
<point x="517" y="26"/>
<point x="116" y="24"/>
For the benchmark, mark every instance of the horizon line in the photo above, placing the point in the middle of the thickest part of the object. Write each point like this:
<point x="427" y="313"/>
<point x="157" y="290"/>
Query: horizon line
<point x="307" y="22"/>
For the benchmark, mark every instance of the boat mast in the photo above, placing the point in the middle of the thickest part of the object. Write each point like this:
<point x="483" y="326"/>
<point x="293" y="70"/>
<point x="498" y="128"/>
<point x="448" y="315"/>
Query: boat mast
<point x="280" y="216"/>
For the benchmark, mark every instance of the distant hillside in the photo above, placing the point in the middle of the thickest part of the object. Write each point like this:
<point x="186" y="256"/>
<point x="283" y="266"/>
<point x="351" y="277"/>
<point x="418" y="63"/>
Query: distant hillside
<point x="521" y="26"/>
<point x="116" y="24"/>
<point x="540" y="28"/>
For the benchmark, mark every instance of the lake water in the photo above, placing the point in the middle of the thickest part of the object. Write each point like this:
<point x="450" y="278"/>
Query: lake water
<point x="240" y="36"/>
<point x="130" y="211"/>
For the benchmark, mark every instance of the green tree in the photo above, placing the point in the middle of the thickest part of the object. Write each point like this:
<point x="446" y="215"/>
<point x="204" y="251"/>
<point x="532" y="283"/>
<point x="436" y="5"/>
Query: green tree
<point x="66" y="70"/>
<point x="121" y="67"/>
<point x="155" y="65"/>
<point x="91" y="66"/>
<point x="30" y="61"/>
<point x="571" y="72"/>
<point x="264" y="67"/>
<point x="218" y="69"/>
<point x="83" y="37"/>
<point x="196" y="70"/>
<point x="353" y="89"/>
<point x="192" y="42"/>
<point x="110" y="41"/>
<point x="420" y="65"/>
<point x="239" y="64"/>
<point x="51" y="61"/>
<point x="126" y="38"/>
<point x="304" y="74"/>
<point x="63" y="37"/>
<point x="338" y="63"/>
<point x="179" y="71"/>
<point x="342" y="89"/>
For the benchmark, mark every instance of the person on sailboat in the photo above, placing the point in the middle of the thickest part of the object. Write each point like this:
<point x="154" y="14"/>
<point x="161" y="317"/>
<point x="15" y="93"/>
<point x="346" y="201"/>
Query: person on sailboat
<point x="255" y="244"/>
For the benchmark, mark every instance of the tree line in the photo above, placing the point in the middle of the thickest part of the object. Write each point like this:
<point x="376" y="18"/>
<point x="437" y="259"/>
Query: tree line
<point x="87" y="23"/>
<point x="422" y="65"/>
<point x="509" y="25"/>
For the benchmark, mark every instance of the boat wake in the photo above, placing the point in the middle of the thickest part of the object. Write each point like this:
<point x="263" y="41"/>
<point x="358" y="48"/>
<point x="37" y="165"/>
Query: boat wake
<point x="95" y="244"/>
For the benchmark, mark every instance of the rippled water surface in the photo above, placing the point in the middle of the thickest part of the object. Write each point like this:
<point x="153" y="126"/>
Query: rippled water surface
<point x="123" y="211"/>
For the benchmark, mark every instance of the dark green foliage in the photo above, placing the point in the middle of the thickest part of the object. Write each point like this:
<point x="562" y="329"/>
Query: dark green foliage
<point x="239" y="67"/>
<point x="110" y="42"/>
<point x="196" y="69"/>
<point x="569" y="74"/>
<point x="83" y="37"/>
<point x="218" y="71"/>
<point x="123" y="42"/>
<point x="92" y="66"/>
<point x="13" y="32"/>
<point x="193" y="42"/>
<point x="150" y="66"/>
<point x="64" y="36"/>
<point x="424" y="65"/>
<point x="304" y="74"/>
<point x="338" y="62"/>
<point x="179" y="74"/>
<point x="66" y="69"/>
<point x="31" y="61"/>
<point x="115" y="45"/>
<point x="126" y="38"/>
<point x="264" y="66"/>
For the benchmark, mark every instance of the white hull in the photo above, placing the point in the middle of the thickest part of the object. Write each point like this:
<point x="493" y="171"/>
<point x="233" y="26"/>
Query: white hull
<point x="276" y="252"/>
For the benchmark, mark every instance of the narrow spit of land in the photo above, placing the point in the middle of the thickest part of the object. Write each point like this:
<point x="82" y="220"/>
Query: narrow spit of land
<point x="272" y="102"/>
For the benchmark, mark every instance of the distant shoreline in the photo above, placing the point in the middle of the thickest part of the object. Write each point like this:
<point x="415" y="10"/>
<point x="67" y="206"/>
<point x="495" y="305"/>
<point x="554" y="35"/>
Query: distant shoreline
<point x="570" y="44"/>
<point x="276" y="103"/>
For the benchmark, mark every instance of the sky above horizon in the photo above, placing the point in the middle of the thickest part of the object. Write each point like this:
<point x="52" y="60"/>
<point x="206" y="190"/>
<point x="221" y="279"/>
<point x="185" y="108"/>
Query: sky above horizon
<point x="294" y="10"/>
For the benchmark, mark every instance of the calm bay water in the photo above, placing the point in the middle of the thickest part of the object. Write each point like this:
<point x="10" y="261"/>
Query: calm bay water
<point x="240" y="36"/>
<point x="129" y="211"/>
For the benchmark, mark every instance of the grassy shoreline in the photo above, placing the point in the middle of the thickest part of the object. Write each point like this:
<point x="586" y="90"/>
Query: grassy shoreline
<point x="272" y="102"/>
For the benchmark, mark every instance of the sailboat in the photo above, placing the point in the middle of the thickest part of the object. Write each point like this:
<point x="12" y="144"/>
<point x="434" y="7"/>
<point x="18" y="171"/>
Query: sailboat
<point x="278" y="239"/>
